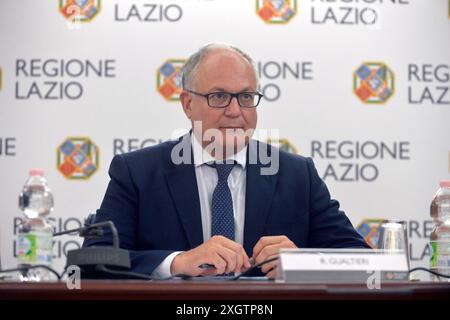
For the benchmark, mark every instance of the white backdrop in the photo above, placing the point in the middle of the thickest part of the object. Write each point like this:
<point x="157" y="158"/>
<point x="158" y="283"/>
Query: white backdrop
<point x="308" y="67"/>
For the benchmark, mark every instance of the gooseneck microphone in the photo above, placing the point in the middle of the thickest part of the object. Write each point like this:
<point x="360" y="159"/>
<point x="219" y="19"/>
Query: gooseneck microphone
<point x="94" y="230"/>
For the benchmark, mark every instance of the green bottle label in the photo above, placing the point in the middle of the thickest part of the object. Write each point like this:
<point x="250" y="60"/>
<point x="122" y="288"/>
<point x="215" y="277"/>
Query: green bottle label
<point x="34" y="248"/>
<point x="434" y="254"/>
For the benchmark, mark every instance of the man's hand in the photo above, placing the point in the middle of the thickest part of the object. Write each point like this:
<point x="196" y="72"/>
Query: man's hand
<point x="268" y="248"/>
<point x="225" y="254"/>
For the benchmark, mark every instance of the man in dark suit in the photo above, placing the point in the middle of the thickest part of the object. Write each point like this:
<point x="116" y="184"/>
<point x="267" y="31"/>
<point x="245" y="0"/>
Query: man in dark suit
<point x="212" y="197"/>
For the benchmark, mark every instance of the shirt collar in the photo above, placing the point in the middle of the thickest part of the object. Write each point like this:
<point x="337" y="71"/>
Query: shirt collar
<point x="201" y="156"/>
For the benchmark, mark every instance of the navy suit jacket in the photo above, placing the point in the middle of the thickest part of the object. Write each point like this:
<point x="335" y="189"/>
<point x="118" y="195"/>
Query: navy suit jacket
<point x="155" y="205"/>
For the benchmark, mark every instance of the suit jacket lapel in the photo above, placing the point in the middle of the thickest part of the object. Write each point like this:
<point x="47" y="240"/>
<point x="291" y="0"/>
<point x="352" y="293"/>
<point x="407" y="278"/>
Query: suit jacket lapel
<point x="259" y="193"/>
<point x="182" y="184"/>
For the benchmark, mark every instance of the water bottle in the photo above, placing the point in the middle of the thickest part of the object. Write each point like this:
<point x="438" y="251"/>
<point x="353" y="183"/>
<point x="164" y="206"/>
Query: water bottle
<point x="35" y="237"/>
<point x="440" y="236"/>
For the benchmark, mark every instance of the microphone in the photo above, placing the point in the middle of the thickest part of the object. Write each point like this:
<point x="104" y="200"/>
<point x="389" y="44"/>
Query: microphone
<point x="88" y="259"/>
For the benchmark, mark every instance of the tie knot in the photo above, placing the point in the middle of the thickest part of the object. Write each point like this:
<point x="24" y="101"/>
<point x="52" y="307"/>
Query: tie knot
<point x="223" y="170"/>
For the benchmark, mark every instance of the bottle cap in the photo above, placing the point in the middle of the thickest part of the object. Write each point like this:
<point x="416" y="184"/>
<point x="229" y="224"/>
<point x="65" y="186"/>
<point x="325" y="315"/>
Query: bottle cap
<point x="37" y="172"/>
<point x="445" y="183"/>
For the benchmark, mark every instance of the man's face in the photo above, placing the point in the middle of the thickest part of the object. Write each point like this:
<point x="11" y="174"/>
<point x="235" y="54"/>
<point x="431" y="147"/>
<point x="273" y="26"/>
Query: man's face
<point x="222" y="70"/>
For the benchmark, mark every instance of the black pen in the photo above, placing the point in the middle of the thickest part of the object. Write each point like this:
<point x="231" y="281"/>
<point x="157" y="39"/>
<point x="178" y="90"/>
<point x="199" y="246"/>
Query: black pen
<point x="211" y="266"/>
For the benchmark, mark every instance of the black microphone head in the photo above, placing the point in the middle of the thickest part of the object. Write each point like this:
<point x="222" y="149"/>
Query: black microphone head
<point x="90" y="219"/>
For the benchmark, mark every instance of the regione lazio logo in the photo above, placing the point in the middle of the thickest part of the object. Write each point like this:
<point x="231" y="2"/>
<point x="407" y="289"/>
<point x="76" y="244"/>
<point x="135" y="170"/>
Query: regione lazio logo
<point x="368" y="229"/>
<point x="77" y="158"/>
<point x="168" y="79"/>
<point x="283" y="144"/>
<point x="276" y="11"/>
<point x="79" y="10"/>
<point x="373" y="82"/>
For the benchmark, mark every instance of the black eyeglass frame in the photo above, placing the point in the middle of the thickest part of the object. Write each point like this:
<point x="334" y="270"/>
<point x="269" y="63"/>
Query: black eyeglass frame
<point x="233" y="95"/>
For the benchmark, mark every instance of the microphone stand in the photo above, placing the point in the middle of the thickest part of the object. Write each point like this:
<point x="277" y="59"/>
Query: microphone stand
<point x="90" y="258"/>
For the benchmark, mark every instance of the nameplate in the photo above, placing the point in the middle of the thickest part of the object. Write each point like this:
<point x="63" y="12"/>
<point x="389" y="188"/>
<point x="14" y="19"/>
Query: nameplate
<point x="340" y="265"/>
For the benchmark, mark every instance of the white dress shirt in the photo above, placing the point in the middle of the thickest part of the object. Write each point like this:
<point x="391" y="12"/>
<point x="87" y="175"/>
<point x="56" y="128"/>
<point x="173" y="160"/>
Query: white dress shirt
<point x="206" y="182"/>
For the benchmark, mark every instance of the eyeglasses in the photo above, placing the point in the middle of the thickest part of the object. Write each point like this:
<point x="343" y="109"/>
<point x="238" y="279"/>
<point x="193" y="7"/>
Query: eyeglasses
<point x="223" y="99"/>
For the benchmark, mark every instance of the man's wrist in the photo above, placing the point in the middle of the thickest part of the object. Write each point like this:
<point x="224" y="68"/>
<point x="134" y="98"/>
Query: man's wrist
<point x="176" y="266"/>
<point x="163" y="271"/>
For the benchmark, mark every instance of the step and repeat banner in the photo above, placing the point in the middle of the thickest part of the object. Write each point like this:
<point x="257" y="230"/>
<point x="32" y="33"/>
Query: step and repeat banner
<point x="361" y="86"/>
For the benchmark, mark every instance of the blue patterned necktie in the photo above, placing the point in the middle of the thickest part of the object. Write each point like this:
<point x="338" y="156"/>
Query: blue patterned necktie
<point x="222" y="217"/>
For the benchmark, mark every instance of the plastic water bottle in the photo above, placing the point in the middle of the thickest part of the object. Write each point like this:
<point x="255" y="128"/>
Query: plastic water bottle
<point x="35" y="239"/>
<point x="440" y="236"/>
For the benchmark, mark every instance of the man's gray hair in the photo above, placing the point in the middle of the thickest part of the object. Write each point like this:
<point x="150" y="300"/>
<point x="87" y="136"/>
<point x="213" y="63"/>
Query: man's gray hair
<point x="190" y="68"/>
